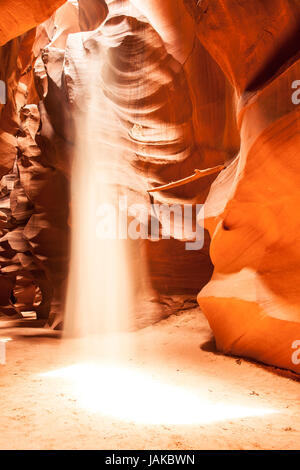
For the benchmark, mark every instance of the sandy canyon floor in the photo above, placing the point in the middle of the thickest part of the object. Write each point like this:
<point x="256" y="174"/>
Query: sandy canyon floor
<point x="171" y="391"/>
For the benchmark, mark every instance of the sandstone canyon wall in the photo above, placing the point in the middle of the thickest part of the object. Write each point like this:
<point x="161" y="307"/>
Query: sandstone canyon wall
<point x="191" y="85"/>
<point x="252" y="301"/>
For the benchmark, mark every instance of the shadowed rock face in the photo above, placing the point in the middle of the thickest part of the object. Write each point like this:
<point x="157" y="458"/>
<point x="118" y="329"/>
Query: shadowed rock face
<point x="191" y="85"/>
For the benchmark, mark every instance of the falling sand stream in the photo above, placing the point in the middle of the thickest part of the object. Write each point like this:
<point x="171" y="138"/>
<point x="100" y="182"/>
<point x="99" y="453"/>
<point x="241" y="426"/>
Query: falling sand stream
<point x="100" y="295"/>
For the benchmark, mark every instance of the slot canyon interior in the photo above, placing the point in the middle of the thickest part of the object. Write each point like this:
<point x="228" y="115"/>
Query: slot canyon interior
<point x="149" y="218"/>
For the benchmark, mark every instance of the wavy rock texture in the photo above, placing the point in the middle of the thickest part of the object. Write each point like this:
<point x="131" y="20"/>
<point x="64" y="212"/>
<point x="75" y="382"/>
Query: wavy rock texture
<point x="19" y="16"/>
<point x="252" y="301"/>
<point x="156" y="117"/>
<point x="191" y="85"/>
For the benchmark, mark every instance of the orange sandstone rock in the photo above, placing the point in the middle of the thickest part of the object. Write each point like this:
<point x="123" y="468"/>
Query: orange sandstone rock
<point x="252" y="301"/>
<point x="19" y="16"/>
